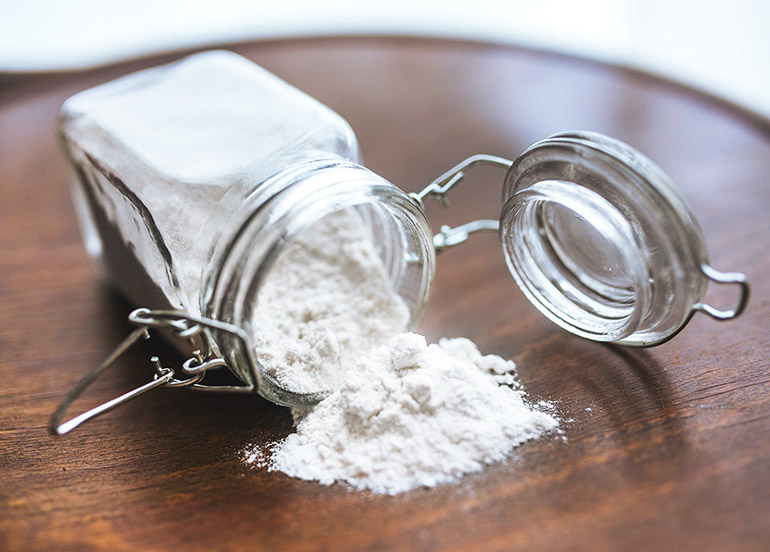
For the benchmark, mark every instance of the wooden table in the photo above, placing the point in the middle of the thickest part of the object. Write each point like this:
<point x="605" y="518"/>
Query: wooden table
<point x="665" y="449"/>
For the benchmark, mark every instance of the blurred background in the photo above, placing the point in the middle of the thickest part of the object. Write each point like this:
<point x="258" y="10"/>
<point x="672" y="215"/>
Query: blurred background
<point x="720" y="47"/>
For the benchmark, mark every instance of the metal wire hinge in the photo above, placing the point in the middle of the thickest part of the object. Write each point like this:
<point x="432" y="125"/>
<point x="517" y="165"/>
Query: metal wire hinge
<point x="729" y="278"/>
<point x="195" y="330"/>
<point x="440" y="188"/>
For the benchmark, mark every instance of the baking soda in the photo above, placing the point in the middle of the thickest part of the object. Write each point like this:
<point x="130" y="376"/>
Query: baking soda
<point x="326" y="301"/>
<point x="404" y="414"/>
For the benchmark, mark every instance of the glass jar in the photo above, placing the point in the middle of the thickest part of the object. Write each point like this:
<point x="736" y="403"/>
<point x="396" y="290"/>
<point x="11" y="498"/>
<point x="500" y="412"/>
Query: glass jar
<point x="191" y="179"/>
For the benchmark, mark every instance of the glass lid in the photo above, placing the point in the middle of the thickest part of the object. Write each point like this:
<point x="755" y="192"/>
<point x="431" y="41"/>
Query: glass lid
<point x="598" y="238"/>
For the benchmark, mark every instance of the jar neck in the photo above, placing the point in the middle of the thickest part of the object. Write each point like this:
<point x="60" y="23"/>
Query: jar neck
<point x="284" y="206"/>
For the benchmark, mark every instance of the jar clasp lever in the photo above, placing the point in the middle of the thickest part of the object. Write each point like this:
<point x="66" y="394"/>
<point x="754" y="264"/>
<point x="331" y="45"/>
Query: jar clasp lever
<point x="442" y="185"/>
<point x="193" y="329"/>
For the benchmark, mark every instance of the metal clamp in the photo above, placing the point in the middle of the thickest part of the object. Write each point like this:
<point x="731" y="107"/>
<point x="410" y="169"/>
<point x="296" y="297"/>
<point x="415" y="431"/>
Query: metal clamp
<point x="735" y="278"/>
<point x="182" y="325"/>
<point x="440" y="188"/>
<point x="450" y="236"/>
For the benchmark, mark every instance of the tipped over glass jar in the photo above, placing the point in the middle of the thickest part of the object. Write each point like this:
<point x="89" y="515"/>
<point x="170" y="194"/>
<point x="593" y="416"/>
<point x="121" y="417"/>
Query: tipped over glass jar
<point x="192" y="179"/>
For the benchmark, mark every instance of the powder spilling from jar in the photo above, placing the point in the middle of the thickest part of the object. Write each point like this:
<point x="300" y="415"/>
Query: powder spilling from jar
<point x="404" y="414"/>
<point x="325" y="302"/>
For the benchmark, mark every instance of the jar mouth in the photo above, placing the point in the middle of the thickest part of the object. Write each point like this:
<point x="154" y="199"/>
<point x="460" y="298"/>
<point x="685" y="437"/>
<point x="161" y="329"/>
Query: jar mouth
<point x="574" y="256"/>
<point x="304" y="196"/>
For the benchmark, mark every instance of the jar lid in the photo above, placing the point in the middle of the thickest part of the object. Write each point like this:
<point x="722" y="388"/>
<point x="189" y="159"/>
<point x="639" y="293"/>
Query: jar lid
<point x="600" y="240"/>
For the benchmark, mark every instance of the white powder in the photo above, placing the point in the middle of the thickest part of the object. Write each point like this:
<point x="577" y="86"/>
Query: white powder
<point x="326" y="301"/>
<point x="404" y="414"/>
<point x="412" y="415"/>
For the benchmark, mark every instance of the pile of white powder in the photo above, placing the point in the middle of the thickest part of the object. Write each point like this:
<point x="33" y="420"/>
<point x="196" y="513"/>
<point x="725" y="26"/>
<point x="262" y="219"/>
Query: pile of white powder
<point x="404" y="413"/>
<point x="327" y="301"/>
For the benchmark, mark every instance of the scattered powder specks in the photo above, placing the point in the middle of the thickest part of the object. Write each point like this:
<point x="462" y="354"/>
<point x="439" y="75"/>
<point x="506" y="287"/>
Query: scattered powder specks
<point x="256" y="457"/>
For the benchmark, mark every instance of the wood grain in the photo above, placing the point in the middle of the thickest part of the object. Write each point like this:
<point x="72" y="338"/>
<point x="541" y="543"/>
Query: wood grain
<point x="663" y="449"/>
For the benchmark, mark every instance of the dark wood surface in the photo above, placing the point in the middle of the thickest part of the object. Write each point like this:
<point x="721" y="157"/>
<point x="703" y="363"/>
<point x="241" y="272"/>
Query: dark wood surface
<point x="665" y="449"/>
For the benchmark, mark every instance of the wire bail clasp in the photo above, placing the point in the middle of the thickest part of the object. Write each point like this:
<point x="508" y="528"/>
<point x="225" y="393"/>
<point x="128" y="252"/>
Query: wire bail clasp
<point x="440" y="188"/>
<point x="727" y="278"/>
<point x="194" y="330"/>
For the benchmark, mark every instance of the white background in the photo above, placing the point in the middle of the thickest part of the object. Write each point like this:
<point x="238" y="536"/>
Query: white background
<point x="721" y="47"/>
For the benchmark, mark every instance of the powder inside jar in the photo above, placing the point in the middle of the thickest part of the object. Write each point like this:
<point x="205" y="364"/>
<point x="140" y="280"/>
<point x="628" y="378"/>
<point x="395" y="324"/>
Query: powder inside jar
<point x="326" y="301"/>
